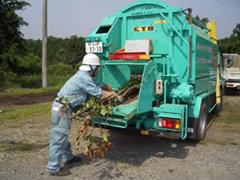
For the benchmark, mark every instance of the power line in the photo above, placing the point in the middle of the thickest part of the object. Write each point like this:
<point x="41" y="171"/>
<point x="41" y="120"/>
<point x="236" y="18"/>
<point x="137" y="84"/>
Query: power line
<point x="234" y="2"/>
<point x="229" y="3"/>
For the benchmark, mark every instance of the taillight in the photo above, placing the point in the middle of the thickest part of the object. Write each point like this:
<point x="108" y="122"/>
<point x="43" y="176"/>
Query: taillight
<point x="230" y="85"/>
<point x="169" y="123"/>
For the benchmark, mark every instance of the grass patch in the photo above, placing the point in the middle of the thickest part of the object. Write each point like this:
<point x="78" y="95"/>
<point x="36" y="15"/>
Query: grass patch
<point x="123" y="166"/>
<point x="11" y="146"/>
<point x="233" y="143"/>
<point x="230" y="114"/>
<point x="21" y="91"/>
<point x="224" y="141"/>
<point x="15" y="117"/>
<point x="204" y="142"/>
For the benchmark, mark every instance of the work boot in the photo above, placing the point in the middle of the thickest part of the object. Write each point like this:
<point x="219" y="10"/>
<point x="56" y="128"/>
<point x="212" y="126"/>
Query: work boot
<point x="75" y="159"/>
<point x="61" y="172"/>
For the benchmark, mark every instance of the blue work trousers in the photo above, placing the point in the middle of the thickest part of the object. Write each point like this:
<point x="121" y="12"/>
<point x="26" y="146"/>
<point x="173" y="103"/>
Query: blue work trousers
<point x="59" y="146"/>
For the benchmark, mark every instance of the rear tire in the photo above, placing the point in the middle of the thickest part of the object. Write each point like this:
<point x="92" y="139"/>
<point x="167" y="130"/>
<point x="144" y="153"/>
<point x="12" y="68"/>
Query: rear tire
<point x="201" y="124"/>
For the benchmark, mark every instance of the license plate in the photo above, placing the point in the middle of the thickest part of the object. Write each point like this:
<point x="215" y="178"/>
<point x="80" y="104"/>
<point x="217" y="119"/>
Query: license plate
<point x="94" y="47"/>
<point x="238" y="88"/>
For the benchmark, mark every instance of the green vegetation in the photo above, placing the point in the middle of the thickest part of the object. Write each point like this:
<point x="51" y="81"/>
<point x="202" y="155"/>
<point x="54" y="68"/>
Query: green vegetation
<point x="11" y="146"/>
<point x="230" y="114"/>
<point x="204" y="20"/>
<point x="21" y="91"/>
<point x="63" y="61"/>
<point x="11" y="41"/>
<point x="17" y="116"/>
<point x="64" y="51"/>
<point x="232" y="43"/>
<point x="20" y="59"/>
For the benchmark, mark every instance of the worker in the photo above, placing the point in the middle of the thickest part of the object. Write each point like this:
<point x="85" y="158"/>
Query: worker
<point x="76" y="89"/>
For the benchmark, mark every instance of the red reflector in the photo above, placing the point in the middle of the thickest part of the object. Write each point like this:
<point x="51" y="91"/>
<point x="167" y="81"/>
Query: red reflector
<point x="230" y="85"/>
<point x="169" y="123"/>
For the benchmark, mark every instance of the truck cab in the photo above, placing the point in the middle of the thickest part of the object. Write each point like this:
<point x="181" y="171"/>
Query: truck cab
<point x="231" y="71"/>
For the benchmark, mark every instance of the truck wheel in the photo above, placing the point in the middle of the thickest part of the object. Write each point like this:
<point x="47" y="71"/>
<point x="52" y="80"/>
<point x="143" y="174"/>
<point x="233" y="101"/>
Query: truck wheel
<point x="201" y="125"/>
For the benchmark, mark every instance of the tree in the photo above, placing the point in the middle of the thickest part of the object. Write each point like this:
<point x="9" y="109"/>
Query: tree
<point x="10" y="23"/>
<point x="68" y="51"/>
<point x="232" y="43"/>
<point x="236" y="31"/>
<point x="72" y="50"/>
<point x="202" y="20"/>
<point x="11" y="41"/>
<point x="21" y="59"/>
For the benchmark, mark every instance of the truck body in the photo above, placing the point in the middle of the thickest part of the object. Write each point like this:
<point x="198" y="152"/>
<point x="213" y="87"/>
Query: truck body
<point x="231" y="71"/>
<point x="178" y="63"/>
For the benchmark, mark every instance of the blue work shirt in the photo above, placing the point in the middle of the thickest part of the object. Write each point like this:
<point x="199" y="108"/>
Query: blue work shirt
<point x="78" y="87"/>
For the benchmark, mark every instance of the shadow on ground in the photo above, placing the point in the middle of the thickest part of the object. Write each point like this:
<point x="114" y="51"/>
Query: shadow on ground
<point x="133" y="148"/>
<point x="231" y="92"/>
<point x="130" y="148"/>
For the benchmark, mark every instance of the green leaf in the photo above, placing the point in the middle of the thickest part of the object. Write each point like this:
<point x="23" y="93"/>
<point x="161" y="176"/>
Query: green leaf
<point x="105" y="136"/>
<point x="103" y="111"/>
<point x="89" y="138"/>
<point x="88" y="117"/>
<point x="87" y="105"/>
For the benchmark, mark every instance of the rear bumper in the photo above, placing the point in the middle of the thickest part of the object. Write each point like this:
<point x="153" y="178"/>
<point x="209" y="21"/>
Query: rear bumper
<point x="232" y="84"/>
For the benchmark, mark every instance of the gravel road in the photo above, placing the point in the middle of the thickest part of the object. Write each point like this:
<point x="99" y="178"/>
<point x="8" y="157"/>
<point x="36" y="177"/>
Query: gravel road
<point x="133" y="156"/>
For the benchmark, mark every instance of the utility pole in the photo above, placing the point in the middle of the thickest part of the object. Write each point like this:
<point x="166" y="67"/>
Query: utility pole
<point x="44" y="43"/>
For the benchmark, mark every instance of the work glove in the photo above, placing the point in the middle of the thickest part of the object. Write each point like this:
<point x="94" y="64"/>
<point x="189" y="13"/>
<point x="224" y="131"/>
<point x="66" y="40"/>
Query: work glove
<point x="106" y="95"/>
<point x="107" y="87"/>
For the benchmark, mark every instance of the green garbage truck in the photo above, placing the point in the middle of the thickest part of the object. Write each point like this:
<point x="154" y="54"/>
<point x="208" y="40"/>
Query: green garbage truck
<point x="176" y="59"/>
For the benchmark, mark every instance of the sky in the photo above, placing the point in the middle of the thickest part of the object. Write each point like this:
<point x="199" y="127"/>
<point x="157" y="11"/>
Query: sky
<point x="81" y="17"/>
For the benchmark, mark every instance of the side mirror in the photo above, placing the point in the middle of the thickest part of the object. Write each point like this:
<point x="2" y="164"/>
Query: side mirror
<point x="229" y="61"/>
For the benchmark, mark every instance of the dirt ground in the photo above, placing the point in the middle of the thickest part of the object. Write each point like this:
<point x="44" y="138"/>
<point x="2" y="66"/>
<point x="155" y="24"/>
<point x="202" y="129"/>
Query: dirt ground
<point x="11" y="101"/>
<point x="133" y="156"/>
